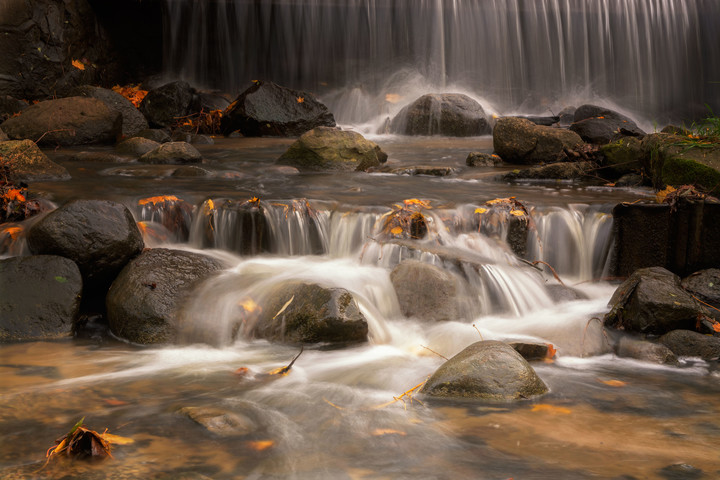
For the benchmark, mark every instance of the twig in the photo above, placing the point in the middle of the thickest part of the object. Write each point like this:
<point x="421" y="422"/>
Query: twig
<point x="706" y="304"/>
<point x="478" y="330"/>
<point x="551" y="269"/>
<point x="433" y="351"/>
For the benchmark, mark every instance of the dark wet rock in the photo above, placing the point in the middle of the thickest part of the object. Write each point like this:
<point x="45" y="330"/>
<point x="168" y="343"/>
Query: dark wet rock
<point x="66" y="121"/>
<point x="622" y="156"/>
<point x="101" y="157"/>
<point x="40" y="297"/>
<point x="325" y="148"/>
<point x="165" y="105"/>
<point x="132" y="120"/>
<point x="27" y="163"/>
<point x="136" y="146"/>
<point x="554" y="171"/>
<point x="429" y="170"/>
<point x="646" y="351"/>
<point x="562" y="293"/>
<point x="449" y="114"/>
<point x="630" y="180"/>
<point x="3" y="137"/>
<point x="479" y="159"/>
<point x="683" y="238"/>
<point x="601" y="125"/>
<point x="681" y="471"/>
<point x="686" y="343"/>
<point x="566" y="116"/>
<point x="517" y="140"/>
<point x="220" y="422"/>
<point x="652" y="301"/>
<point x="705" y="285"/>
<point x="209" y="101"/>
<point x="487" y="370"/>
<point x="159" y="135"/>
<point x="144" y="301"/>
<point x="172" y="153"/>
<point x="545" y="121"/>
<point x="532" y="352"/>
<point x="198" y="139"/>
<point x="268" y="109"/>
<point x="99" y="235"/>
<point x="425" y="291"/>
<point x="191" y="171"/>
<point x="311" y="314"/>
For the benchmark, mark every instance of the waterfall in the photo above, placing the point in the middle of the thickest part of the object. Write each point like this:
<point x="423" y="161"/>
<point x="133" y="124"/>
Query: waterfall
<point x="654" y="58"/>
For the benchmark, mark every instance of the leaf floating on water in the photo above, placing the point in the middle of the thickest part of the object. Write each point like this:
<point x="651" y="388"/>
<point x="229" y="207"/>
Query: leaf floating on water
<point x="614" y="383"/>
<point x="116" y="439"/>
<point x="544" y="407"/>
<point x="551" y="351"/>
<point x="282" y="371"/>
<point x="379" y="432"/>
<point x="81" y="443"/>
<point x="260" y="445"/>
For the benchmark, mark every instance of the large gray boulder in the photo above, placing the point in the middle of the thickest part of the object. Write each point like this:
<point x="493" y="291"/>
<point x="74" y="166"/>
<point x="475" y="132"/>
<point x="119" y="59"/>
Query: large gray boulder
<point x="518" y="140"/>
<point x="425" y="291"/>
<point x="309" y="313"/>
<point x="600" y="125"/>
<point x="66" y="121"/>
<point x="450" y="114"/>
<point x="27" y="163"/>
<point x="325" y="148"/>
<point x="652" y="301"/>
<point x="487" y="370"/>
<point x="166" y="105"/>
<point x="39" y="297"/>
<point x="686" y="343"/>
<point x="99" y="235"/>
<point x="132" y="120"/>
<point x="144" y="301"/>
<point x="646" y="351"/>
<point x="268" y="109"/>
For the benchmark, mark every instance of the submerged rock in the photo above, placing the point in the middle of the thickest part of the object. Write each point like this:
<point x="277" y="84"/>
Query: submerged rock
<point x="268" y="109"/>
<point x="172" y="153"/>
<point x="487" y="370"/>
<point x="136" y="146"/>
<point x="144" y="301"/>
<point x="450" y="114"/>
<point x="220" y="422"/>
<point x="66" y="121"/>
<point x="27" y="163"/>
<point x="554" y="171"/>
<point x="425" y="291"/>
<point x="479" y="159"/>
<point x="310" y="313"/>
<point x="686" y="343"/>
<point x="40" y="297"/>
<point x="518" y="140"/>
<point x="325" y="148"/>
<point x="646" y="351"/>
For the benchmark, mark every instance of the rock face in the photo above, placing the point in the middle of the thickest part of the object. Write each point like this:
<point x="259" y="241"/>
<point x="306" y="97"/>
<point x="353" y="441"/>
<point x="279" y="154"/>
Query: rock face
<point x="311" y="314"/>
<point x="554" y="171"/>
<point x="66" y="121"/>
<point x="268" y="109"/>
<point x="601" y="125"/>
<point x="425" y="291"/>
<point x="518" y="140"/>
<point x="132" y="120"/>
<point x="450" y="114"/>
<point x="646" y="351"/>
<point x="686" y="343"/>
<point x="653" y="301"/>
<point x="28" y="163"/>
<point x="486" y="370"/>
<point x="40" y="297"/>
<point x="145" y="299"/>
<point x="172" y="153"/>
<point x="163" y="106"/>
<point x="100" y="236"/>
<point x="325" y="148"/>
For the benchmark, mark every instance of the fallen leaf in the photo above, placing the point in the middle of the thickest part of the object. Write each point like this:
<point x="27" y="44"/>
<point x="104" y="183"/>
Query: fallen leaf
<point x="544" y="407"/>
<point x="551" y="351"/>
<point x="517" y="213"/>
<point x="396" y="231"/>
<point x="260" y="445"/>
<point x="115" y="402"/>
<point x="300" y="99"/>
<point x="481" y="210"/>
<point x="392" y="98"/>
<point x="378" y="432"/>
<point x="116" y="439"/>
<point x="158" y="199"/>
<point x="614" y="383"/>
<point x="78" y="64"/>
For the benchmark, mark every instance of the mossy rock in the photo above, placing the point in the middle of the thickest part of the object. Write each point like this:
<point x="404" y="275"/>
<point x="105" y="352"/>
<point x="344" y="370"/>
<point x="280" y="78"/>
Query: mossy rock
<point x="684" y="171"/>
<point x="623" y="156"/>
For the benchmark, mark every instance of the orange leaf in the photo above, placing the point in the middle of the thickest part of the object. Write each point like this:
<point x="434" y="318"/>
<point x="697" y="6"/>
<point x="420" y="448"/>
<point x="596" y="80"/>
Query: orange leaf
<point x="158" y="199"/>
<point x="378" y="432"/>
<point x="551" y="351"/>
<point x="716" y="326"/>
<point x="261" y="445"/>
<point x="396" y="231"/>
<point x="481" y="210"/>
<point x="300" y="99"/>
<point x="614" y="383"/>
<point x="14" y="232"/>
<point x="242" y="371"/>
<point x="115" y="402"/>
<point x="78" y="64"/>
<point x="544" y="407"/>
<point x="392" y="98"/>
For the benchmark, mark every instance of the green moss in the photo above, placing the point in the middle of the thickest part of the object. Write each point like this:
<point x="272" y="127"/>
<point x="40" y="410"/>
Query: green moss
<point x="682" y="171"/>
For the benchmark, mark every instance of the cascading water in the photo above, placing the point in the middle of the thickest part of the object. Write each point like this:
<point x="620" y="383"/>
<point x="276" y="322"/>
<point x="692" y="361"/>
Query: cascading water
<point x="651" y="58"/>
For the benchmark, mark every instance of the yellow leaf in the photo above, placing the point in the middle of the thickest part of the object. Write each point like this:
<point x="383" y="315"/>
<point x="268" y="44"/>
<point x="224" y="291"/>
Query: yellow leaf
<point x="78" y="64"/>
<point x="614" y="383"/>
<point x="261" y="445"/>
<point x="116" y="439"/>
<point x="544" y="407"/>
<point x="378" y="432"/>
<point x="392" y="98"/>
<point x="396" y="231"/>
<point x="158" y="199"/>
<point x="415" y="201"/>
<point x="249" y="305"/>
<point x="481" y="210"/>
<point x="662" y="194"/>
<point x="517" y="213"/>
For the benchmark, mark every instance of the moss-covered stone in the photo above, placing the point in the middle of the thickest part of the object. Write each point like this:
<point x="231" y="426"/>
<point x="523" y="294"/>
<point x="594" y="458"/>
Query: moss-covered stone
<point x="684" y="171"/>
<point x="623" y="156"/>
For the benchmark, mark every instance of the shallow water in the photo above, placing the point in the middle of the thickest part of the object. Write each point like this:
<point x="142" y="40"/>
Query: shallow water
<point x="339" y="413"/>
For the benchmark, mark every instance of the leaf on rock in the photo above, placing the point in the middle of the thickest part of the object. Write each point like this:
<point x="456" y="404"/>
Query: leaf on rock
<point x="78" y="64"/>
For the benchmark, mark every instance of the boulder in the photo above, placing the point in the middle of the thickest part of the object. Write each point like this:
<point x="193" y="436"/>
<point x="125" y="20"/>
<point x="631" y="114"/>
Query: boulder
<point x="705" y="285"/>
<point x="425" y="291"/>
<point x="449" y="114"/>
<point x="601" y="125"/>
<point x="479" y="159"/>
<point x="156" y="134"/>
<point x="99" y="235"/>
<point x="686" y="343"/>
<point x="646" y="351"/>
<point x="136" y="146"/>
<point x="517" y="140"/>
<point x="40" y="297"/>
<point x="132" y="120"/>
<point x="145" y="300"/>
<point x="66" y="121"/>
<point x="27" y="163"/>
<point x="3" y="137"/>
<point x="554" y="171"/>
<point x="309" y="313"/>
<point x="487" y="370"/>
<point x="622" y="156"/>
<point x="268" y="109"/>
<point x="325" y="148"/>
<point x="652" y="301"/>
<point x="172" y="153"/>
<point x="165" y="105"/>
<point x="532" y="352"/>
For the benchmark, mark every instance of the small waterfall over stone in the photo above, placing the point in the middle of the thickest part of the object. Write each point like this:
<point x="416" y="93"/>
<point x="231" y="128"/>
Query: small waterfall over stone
<point x="367" y="58"/>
